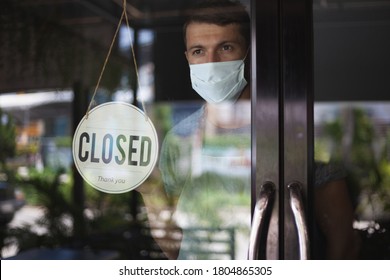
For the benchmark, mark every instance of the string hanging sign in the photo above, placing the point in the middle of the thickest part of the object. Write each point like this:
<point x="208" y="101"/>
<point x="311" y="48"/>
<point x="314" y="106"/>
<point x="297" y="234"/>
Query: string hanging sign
<point x="115" y="145"/>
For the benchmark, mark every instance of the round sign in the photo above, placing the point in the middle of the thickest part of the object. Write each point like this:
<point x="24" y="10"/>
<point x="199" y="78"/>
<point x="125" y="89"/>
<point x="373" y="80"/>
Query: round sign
<point x="115" y="147"/>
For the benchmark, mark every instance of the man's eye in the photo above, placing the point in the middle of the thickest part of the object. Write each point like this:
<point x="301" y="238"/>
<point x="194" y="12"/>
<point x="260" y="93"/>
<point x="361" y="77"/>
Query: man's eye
<point x="227" y="48"/>
<point x="197" y="52"/>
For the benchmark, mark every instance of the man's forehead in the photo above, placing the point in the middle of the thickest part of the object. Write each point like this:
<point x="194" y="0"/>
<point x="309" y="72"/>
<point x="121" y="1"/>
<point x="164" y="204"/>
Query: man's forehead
<point x="203" y="26"/>
<point x="205" y="33"/>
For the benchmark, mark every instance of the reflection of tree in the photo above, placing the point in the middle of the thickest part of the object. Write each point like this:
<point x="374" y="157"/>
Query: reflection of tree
<point x="7" y="138"/>
<point x="208" y="201"/>
<point x="363" y="151"/>
<point x="7" y="150"/>
<point x="109" y="224"/>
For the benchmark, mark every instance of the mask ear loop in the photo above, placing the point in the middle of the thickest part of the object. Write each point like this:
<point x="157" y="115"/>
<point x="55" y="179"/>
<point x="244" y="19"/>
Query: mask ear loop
<point x="124" y="15"/>
<point x="246" y="54"/>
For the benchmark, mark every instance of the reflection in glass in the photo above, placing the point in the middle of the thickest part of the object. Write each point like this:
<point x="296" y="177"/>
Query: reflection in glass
<point x="205" y="166"/>
<point x="356" y="135"/>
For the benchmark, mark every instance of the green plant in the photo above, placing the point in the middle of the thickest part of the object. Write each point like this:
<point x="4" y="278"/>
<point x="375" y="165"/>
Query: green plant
<point x="46" y="190"/>
<point x="7" y="138"/>
<point x="355" y="144"/>
<point x="106" y="217"/>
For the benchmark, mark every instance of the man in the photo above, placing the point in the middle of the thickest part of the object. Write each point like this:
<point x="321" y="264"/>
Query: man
<point x="217" y="42"/>
<point x="205" y="159"/>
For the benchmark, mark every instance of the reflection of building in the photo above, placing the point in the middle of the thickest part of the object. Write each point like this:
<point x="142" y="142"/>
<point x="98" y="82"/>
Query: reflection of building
<point x="40" y="117"/>
<point x="357" y="134"/>
<point x="216" y="140"/>
<point x="376" y="116"/>
<point x="28" y="139"/>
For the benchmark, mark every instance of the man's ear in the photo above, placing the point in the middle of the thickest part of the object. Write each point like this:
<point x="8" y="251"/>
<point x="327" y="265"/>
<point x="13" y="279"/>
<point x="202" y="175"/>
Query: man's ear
<point x="248" y="55"/>
<point x="186" y="54"/>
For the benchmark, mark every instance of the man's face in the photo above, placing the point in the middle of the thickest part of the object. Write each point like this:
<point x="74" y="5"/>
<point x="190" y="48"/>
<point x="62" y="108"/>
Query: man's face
<point x="213" y="43"/>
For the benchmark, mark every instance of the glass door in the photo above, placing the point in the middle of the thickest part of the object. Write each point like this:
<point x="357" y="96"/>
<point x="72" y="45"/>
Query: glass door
<point x="351" y="109"/>
<point x="198" y="203"/>
<point x="320" y="130"/>
<point x="282" y="145"/>
<point x="297" y="169"/>
<point x="238" y="177"/>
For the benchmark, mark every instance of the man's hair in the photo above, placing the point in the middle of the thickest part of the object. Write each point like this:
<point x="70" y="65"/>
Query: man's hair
<point x="220" y="12"/>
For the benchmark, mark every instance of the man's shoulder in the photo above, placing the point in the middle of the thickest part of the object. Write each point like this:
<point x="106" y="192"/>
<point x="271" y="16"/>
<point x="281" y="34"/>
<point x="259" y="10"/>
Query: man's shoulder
<point x="189" y="124"/>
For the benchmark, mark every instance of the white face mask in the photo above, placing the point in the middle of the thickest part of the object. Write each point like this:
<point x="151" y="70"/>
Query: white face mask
<point x="218" y="81"/>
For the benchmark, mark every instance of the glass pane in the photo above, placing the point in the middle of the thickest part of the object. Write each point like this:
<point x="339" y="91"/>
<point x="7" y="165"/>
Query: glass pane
<point x="352" y="126"/>
<point x="202" y="209"/>
<point x="205" y="164"/>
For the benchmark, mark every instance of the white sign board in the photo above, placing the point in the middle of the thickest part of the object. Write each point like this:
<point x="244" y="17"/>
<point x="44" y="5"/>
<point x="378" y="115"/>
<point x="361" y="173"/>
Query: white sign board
<point x="115" y="147"/>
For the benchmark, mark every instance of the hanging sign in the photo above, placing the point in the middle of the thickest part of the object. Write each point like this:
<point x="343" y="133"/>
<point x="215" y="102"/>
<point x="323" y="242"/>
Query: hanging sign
<point x="115" y="147"/>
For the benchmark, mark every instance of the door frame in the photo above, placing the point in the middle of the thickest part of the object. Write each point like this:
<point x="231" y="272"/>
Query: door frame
<point x="282" y="120"/>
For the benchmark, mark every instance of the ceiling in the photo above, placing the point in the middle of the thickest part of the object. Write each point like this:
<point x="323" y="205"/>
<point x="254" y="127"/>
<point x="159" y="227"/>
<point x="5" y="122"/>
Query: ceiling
<point x="51" y="43"/>
<point x="81" y="12"/>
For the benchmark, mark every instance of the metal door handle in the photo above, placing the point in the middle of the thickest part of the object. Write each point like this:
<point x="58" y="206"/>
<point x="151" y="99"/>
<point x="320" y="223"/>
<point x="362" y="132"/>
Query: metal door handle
<point x="298" y="210"/>
<point x="261" y="215"/>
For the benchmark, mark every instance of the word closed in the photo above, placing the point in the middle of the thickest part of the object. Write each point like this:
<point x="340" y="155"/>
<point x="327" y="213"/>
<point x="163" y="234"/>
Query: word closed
<point x="132" y="150"/>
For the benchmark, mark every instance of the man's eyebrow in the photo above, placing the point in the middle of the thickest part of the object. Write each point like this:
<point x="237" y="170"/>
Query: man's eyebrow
<point x="197" y="46"/>
<point x="228" y="43"/>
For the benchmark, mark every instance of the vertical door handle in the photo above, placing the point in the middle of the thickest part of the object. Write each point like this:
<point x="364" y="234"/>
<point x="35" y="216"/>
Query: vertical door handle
<point x="298" y="210"/>
<point x="262" y="214"/>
